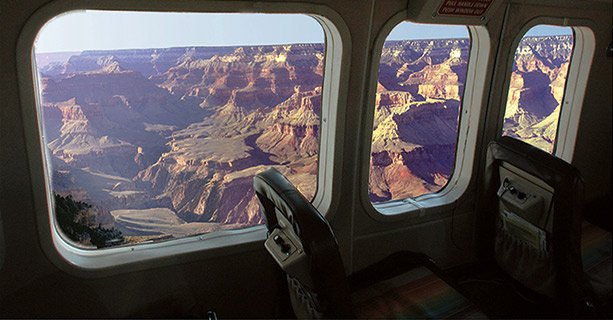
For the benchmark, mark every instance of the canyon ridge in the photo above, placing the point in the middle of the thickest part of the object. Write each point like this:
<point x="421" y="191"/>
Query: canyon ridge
<point x="164" y="143"/>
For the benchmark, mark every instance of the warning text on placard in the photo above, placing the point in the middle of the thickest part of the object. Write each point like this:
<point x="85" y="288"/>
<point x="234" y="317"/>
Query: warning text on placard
<point x="464" y="7"/>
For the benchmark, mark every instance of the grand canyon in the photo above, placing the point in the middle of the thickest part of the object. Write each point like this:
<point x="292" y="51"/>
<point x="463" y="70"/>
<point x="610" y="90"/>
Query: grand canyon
<point x="536" y="90"/>
<point x="163" y="143"/>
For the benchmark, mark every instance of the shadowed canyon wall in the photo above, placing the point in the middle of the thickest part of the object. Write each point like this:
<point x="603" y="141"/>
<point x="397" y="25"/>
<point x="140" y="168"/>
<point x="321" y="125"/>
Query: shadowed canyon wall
<point x="165" y="142"/>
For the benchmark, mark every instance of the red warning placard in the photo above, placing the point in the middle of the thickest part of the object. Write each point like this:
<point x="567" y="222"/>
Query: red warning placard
<point x="464" y="7"/>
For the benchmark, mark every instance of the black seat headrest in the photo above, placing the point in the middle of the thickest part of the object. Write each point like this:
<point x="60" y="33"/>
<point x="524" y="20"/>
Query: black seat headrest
<point x="316" y="275"/>
<point x="274" y="191"/>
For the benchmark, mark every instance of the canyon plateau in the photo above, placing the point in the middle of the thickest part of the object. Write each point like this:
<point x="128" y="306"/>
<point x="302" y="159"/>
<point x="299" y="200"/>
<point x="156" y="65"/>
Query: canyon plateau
<point x="163" y="143"/>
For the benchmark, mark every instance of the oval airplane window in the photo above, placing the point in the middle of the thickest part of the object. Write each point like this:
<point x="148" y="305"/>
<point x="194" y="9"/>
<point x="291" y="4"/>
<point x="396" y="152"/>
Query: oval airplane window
<point x="152" y="133"/>
<point x="418" y="103"/>
<point x="537" y="86"/>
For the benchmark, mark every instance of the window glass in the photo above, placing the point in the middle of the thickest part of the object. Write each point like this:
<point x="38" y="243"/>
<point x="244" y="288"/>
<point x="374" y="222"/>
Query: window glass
<point x="537" y="86"/>
<point x="422" y="73"/>
<point x="155" y="123"/>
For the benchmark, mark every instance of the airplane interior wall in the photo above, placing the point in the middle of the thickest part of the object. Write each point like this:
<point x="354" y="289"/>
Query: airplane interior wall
<point x="247" y="282"/>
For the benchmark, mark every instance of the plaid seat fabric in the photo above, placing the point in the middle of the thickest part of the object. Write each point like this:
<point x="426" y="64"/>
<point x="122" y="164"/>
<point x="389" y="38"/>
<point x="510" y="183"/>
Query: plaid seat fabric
<point x="416" y="294"/>
<point x="596" y="256"/>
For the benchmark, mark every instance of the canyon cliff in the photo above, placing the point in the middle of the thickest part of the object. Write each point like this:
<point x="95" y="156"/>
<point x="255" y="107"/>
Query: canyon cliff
<point x="165" y="142"/>
<point x="416" y="117"/>
<point x="537" y="88"/>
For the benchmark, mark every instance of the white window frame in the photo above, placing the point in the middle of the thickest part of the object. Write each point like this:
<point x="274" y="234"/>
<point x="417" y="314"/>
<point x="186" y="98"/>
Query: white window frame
<point x="579" y="68"/>
<point x="98" y="263"/>
<point x="474" y="95"/>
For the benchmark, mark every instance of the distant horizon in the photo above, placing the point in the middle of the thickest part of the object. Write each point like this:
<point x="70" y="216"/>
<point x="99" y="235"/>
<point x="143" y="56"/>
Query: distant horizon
<point x="124" y="30"/>
<point x="117" y="30"/>
<point x="96" y="30"/>
<point x="259" y="45"/>
<point x="221" y="46"/>
<point x="181" y="47"/>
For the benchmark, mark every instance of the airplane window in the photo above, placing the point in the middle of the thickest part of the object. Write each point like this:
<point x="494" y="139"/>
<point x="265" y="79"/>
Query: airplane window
<point x="154" y="133"/>
<point x="537" y="86"/>
<point x="419" y="97"/>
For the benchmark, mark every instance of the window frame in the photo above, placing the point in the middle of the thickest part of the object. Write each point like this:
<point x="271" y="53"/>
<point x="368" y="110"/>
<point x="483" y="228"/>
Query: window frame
<point x="97" y="263"/>
<point x="580" y="63"/>
<point x="472" y="101"/>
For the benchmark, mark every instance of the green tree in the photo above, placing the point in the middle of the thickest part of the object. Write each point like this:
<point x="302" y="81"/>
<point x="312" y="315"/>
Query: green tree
<point x="74" y="217"/>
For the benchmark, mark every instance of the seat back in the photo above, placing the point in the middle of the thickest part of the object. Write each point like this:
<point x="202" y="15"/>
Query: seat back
<point x="529" y="220"/>
<point x="303" y="244"/>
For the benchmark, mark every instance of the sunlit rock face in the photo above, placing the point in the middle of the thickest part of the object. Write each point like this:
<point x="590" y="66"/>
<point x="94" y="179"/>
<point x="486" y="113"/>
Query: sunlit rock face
<point x="536" y="89"/>
<point x="421" y="84"/>
<point x="166" y="141"/>
<point x="417" y="109"/>
<point x="184" y="129"/>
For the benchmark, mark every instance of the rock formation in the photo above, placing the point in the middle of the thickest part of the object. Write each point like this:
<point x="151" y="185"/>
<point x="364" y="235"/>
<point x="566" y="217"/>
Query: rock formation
<point x="537" y="88"/>
<point x="179" y="133"/>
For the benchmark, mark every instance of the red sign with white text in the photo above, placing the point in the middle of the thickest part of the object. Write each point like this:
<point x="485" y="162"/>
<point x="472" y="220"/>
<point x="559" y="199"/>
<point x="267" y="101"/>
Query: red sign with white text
<point x="471" y="8"/>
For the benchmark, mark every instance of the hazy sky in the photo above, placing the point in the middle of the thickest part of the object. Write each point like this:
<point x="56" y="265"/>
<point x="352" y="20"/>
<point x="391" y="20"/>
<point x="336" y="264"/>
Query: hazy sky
<point x="414" y="31"/>
<point x="108" y="30"/>
<point x="546" y="30"/>
<point x="408" y="30"/>
<point x="88" y="30"/>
